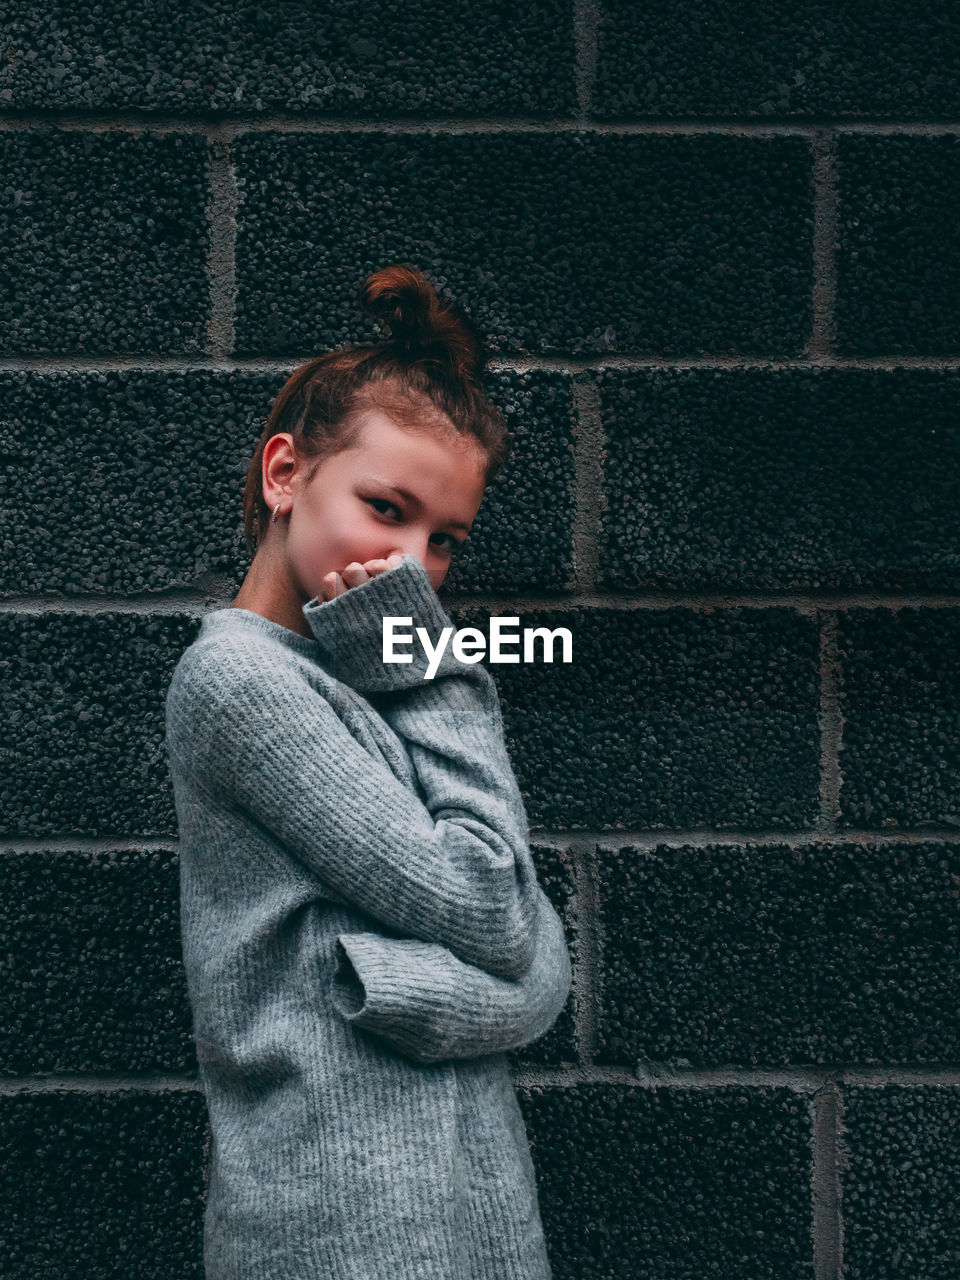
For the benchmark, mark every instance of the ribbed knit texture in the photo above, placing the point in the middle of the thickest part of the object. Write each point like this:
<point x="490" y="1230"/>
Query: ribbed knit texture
<point x="364" y="938"/>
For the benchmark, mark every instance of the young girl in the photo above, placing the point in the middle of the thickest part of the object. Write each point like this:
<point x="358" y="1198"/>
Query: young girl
<point x="363" y="933"/>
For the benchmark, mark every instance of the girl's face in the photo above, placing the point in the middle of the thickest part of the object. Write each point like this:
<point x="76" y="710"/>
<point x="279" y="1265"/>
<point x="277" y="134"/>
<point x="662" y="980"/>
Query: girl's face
<point x="394" y="491"/>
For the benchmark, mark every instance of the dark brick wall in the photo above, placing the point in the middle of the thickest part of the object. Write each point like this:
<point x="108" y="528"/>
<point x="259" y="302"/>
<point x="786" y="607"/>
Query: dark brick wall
<point x="716" y="253"/>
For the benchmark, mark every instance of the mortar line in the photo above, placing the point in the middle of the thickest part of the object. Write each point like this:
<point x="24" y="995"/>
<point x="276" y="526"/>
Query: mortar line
<point x="221" y="259"/>
<point x="588" y="496"/>
<point x="801" y="1080"/>
<point x="644" y="841"/>
<point x="143" y="362"/>
<point x="825" y="1185"/>
<point x="585" y="22"/>
<point x="586" y="915"/>
<point x="824" y="177"/>
<point x="830" y="717"/>
<point x="155" y="122"/>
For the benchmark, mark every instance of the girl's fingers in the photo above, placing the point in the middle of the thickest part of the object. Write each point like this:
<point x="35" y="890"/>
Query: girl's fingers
<point x="331" y="584"/>
<point x="335" y="584"/>
<point x="354" y="574"/>
<point x="373" y="567"/>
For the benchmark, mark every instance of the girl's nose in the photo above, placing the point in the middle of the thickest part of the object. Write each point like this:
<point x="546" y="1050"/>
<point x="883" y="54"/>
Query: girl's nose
<point x="418" y="549"/>
<point x="410" y="546"/>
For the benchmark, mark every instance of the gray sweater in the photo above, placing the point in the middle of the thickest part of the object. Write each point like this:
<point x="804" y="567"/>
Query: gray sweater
<point x="363" y="938"/>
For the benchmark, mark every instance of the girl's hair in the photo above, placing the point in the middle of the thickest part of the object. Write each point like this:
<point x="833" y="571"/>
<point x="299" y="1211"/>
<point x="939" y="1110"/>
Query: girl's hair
<point x="425" y="376"/>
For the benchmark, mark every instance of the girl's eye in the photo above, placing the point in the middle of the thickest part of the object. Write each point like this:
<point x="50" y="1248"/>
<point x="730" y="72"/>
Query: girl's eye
<point x="384" y="502"/>
<point x="455" y="544"/>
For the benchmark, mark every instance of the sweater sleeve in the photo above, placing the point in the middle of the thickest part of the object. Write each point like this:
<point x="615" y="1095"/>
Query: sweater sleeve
<point x="453" y="869"/>
<point x="448" y="717"/>
<point x="447" y="710"/>
<point x="430" y="1006"/>
<point x="422" y="999"/>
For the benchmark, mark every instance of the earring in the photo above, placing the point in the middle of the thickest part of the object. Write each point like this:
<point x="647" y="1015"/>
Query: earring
<point x="275" y="510"/>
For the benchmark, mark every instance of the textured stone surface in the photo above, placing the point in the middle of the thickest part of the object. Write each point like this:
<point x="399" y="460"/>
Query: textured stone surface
<point x="899" y="693"/>
<point x="102" y="1184"/>
<point x="105" y="243"/>
<point x="898" y="252"/>
<point x="666" y="718"/>
<point x="806" y="59"/>
<point x="767" y="956"/>
<point x="780" y="479"/>
<point x="86" y="753"/>
<point x="686" y="1183"/>
<point x="355" y="58"/>
<point x="899" y="1170"/>
<point x="575" y="243"/>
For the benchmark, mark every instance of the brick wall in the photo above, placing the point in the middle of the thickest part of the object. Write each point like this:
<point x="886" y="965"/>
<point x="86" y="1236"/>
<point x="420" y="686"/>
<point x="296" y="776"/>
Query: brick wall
<point x="716" y="252"/>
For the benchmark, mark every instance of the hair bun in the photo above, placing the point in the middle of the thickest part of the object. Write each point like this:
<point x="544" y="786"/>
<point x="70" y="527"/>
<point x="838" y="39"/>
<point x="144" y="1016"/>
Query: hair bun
<point x="402" y="297"/>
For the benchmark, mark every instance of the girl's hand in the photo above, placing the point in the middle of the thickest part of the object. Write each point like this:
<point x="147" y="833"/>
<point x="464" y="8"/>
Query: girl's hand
<point x="335" y="584"/>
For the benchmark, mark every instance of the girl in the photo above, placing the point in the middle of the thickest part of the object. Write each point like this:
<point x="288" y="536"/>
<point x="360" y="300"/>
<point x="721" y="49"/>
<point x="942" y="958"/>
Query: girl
<point x="364" y="937"/>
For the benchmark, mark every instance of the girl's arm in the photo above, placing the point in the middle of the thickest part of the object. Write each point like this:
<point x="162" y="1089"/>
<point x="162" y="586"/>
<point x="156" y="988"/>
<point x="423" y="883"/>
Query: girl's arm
<point x="429" y="1005"/>
<point x="419" y="996"/>
<point x="453" y="869"/>
<point x="452" y="718"/>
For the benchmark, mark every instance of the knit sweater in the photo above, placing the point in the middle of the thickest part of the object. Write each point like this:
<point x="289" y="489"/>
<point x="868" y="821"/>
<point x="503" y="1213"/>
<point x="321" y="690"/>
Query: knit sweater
<point x="364" y="938"/>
